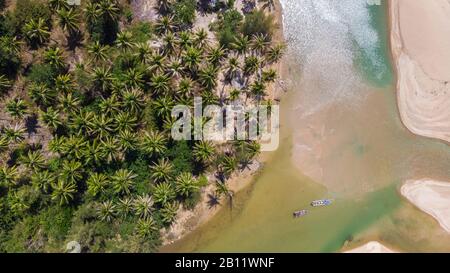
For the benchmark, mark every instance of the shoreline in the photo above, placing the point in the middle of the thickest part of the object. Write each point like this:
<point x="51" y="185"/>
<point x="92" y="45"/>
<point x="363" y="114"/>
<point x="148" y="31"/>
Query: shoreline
<point x="189" y="220"/>
<point x="423" y="93"/>
<point x="430" y="196"/>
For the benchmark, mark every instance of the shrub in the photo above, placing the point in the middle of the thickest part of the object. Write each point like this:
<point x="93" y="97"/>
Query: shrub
<point x="29" y="9"/>
<point x="184" y="12"/>
<point x="228" y="27"/>
<point x="257" y="22"/>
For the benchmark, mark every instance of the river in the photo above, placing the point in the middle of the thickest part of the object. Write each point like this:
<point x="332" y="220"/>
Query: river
<point x="342" y="138"/>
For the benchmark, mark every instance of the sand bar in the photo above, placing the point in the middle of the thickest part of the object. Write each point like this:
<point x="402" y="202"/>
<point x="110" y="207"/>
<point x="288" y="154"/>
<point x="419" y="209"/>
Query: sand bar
<point x="431" y="196"/>
<point x="371" y="247"/>
<point x="421" y="51"/>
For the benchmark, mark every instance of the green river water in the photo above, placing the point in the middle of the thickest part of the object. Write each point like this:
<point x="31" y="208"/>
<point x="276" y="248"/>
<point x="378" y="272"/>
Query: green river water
<point x="355" y="139"/>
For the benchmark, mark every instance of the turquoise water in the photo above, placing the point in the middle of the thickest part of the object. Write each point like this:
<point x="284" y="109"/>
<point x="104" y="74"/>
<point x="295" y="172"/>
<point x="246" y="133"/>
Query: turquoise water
<point x="378" y="71"/>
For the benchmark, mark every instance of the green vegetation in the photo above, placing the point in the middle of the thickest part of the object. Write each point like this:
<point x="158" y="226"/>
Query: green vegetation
<point x="85" y="149"/>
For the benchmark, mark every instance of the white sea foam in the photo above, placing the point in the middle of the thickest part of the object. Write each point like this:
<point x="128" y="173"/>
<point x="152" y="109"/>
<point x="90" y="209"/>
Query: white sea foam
<point x="322" y="35"/>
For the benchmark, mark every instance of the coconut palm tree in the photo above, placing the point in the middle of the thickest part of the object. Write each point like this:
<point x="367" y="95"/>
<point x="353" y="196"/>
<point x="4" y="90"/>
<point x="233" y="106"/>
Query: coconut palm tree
<point x="16" y="108"/>
<point x="9" y="176"/>
<point x="165" y="24"/>
<point x="4" y="144"/>
<point x="109" y="149"/>
<point x="93" y="153"/>
<point x="201" y="38"/>
<point x="175" y="68"/>
<point x="34" y="160"/>
<point x="146" y="227"/>
<point x="258" y="90"/>
<point x="64" y="191"/>
<point x="110" y="9"/>
<point x="14" y="133"/>
<point x="163" y="193"/>
<point x="96" y="183"/>
<point x="128" y="140"/>
<point x="133" y="100"/>
<point x="154" y="143"/>
<point x="216" y="55"/>
<point x="142" y="52"/>
<point x="109" y="106"/>
<point x="102" y="78"/>
<point x="163" y="6"/>
<point x="51" y="118"/>
<point x="269" y="76"/>
<point x="232" y="69"/>
<point x="36" y="32"/>
<point x="259" y="43"/>
<point x="102" y="126"/>
<point x="69" y="20"/>
<point x="68" y="102"/>
<point x="163" y="106"/>
<point x="71" y="171"/>
<point x="185" y="39"/>
<point x="251" y="65"/>
<point x="185" y="87"/>
<point x="162" y="170"/>
<point x="203" y="151"/>
<point x="160" y="83"/>
<point x="42" y="180"/>
<point x="143" y="206"/>
<point x="81" y="122"/>
<point x="185" y="184"/>
<point x="223" y="190"/>
<point x="41" y="94"/>
<point x="134" y="78"/>
<point x="64" y="83"/>
<point x="57" y="145"/>
<point x="208" y="77"/>
<point x="125" y="207"/>
<point x="92" y="12"/>
<point x="170" y="42"/>
<point x="18" y="203"/>
<point x="157" y="63"/>
<point x="56" y="5"/>
<point x="227" y="165"/>
<point x="54" y="57"/>
<point x="124" y="41"/>
<point x="106" y="211"/>
<point x="192" y="58"/>
<point x="125" y="121"/>
<point x="275" y="53"/>
<point x="241" y="45"/>
<point x="169" y="212"/>
<point x="5" y="84"/>
<point x="10" y="45"/>
<point x="74" y="147"/>
<point x="98" y="52"/>
<point x="123" y="181"/>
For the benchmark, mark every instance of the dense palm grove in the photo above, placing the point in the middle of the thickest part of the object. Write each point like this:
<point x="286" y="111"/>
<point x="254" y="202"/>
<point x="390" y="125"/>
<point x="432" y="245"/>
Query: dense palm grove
<point x="86" y="99"/>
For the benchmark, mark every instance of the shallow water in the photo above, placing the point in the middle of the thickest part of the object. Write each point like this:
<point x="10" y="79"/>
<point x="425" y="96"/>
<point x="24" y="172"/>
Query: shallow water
<point x="342" y="138"/>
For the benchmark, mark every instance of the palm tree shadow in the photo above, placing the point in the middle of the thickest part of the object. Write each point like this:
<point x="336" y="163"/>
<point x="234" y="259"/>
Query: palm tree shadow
<point x="213" y="201"/>
<point x="31" y="124"/>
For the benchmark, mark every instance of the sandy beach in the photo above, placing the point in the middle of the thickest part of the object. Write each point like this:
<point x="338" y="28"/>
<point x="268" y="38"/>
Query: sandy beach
<point x="431" y="196"/>
<point x="421" y="52"/>
<point x="371" y="247"/>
